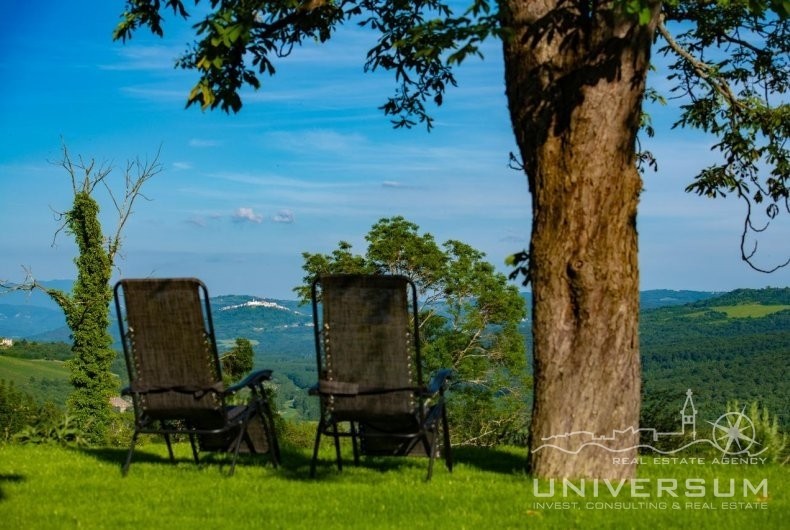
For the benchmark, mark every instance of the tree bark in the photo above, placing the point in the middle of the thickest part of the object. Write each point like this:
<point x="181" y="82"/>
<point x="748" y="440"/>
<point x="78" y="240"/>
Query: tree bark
<point x="575" y="81"/>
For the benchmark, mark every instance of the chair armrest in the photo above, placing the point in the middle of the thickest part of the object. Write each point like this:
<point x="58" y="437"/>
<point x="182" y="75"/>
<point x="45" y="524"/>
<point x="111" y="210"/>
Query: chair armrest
<point x="438" y="382"/>
<point x="252" y="380"/>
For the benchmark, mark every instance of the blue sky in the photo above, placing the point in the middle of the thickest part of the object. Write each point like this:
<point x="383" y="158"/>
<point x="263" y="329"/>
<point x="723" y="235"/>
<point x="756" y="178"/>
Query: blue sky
<point x="309" y="161"/>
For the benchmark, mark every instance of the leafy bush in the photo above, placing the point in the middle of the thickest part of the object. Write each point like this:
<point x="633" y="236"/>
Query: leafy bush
<point x="296" y="434"/>
<point x="61" y="430"/>
<point x="770" y="442"/>
<point x="17" y="410"/>
<point x="120" y="429"/>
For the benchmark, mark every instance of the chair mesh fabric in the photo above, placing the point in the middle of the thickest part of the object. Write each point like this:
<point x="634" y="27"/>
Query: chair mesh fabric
<point x="171" y="348"/>
<point x="367" y="341"/>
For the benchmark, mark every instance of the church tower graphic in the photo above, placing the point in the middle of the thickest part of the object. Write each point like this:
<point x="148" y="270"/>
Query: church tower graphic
<point x="688" y="415"/>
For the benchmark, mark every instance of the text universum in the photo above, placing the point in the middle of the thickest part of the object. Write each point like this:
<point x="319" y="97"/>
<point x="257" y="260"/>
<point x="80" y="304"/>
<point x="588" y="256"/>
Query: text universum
<point x="648" y="487"/>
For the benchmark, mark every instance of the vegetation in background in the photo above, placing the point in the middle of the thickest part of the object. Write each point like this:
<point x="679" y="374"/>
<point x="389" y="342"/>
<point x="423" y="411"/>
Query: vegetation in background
<point x="720" y="357"/>
<point x="50" y="351"/>
<point x="45" y="380"/>
<point x="17" y="410"/>
<point x="237" y="362"/>
<point x="87" y="307"/>
<point x="21" y="413"/>
<point x="771" y="442"/>
<point x="469" y="319"/>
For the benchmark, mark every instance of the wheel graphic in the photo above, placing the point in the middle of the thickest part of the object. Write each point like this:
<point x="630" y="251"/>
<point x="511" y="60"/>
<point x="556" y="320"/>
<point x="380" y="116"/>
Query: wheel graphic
<point x="733" y="433"/>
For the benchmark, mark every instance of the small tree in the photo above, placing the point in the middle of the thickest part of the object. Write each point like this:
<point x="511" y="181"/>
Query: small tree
<point x="87" y="307"/>
<point x="469" y="320"/>
<point x="17" y="410"/>
<point x="237" y="362"/>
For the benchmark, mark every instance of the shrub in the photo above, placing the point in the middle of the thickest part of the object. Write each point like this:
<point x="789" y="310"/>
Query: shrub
<point x="772" y="442"/>
<point x="296" y="434"/>
<point x="18" y="410"/>
<point x="61" y="430"/>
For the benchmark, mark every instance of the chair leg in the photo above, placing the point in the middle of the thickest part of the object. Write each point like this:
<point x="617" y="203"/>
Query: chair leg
<point x="448" y="452"/>
<point x="315" y="447"/>
<point x="125" y="468"/>
<point x="271" y="433"/>
<point x="193" y="443"/>
<point x="169" y="448"/>
<point x="355" y="442"/>
<point x="432" y="455"/>
<point x="237" y="445"/>
<point x="336" y="435"/>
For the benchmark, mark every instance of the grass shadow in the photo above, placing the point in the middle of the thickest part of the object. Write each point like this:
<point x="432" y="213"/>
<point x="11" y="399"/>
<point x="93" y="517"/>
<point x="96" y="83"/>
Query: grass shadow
<point x="295" y="461"/>
<point x="117" y="456"/>
<point x="141" y="455"/>
<point x="13" y="477"/>
<point x="504" y="461"/>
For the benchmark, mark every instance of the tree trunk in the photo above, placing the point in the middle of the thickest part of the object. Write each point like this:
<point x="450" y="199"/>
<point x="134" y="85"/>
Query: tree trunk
<point x="575" y="81"/>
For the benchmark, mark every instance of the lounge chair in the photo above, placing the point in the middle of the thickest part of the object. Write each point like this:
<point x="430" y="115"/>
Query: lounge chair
<point x="175" y="376"/>
<point x="370" y="370"/>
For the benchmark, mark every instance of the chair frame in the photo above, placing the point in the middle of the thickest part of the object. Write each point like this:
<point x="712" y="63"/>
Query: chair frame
<point x="177" y="425"/>
<point x="421" y="440"/>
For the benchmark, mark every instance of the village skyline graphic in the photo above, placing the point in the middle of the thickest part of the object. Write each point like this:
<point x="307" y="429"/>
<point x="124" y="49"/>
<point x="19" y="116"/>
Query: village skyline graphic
<point x="733" y="433"/>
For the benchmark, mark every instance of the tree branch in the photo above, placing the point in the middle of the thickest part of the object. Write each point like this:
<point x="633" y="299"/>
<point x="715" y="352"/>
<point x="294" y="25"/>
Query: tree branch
<point x="145" y="171"/>
<point x="703" y="70"/>
<point x="30" y="284"/>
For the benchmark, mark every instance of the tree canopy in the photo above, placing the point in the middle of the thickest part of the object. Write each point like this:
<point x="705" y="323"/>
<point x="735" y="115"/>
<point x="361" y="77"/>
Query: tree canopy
<point x="729" y="67"/>
<point x="238" y="361"/>
<point x="469" y="320"/>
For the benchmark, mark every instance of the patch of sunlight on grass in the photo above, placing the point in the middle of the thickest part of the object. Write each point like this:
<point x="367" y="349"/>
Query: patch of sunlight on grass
<point x="750" y="310"/>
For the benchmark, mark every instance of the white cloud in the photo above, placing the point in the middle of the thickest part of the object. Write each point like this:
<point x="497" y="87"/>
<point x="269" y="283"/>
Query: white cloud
<point x="200" y="222"/>
<point x="243" y="215"/>
<point x="144" y="58"/>
<point x="182" y="166"/>
<point x="323" y="140"/>
<point x="199" y="142"/>
<point x="149" y="93"/>
<point x="283" y="216"/>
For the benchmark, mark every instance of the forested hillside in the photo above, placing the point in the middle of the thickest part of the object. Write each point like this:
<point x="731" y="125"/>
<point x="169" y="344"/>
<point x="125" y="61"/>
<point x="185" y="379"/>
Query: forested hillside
<point x="731" y="347"/>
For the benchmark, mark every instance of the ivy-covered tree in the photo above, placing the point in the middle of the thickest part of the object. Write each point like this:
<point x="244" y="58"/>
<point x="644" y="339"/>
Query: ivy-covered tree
<point x="469" y="319"/>
<point x="575" y="78"/>
<point x="87" y="307"/>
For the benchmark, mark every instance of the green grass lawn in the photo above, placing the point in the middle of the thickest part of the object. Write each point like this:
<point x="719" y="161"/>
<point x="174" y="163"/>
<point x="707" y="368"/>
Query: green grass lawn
<point x="20" y="370"/>
<point x="750" y="310"/>
<point x="47" y="380"/>
<point x="55" y="487"/>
